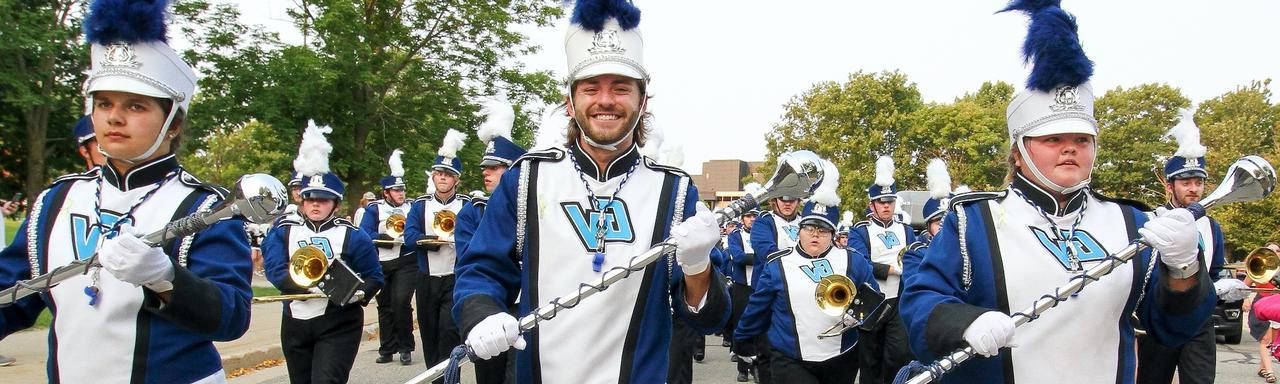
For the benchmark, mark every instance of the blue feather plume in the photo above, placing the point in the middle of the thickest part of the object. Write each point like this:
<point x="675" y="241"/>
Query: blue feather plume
<point x="127" y="21"/>
<point x="1052" y="46"/>
<point x="591" y="14"/>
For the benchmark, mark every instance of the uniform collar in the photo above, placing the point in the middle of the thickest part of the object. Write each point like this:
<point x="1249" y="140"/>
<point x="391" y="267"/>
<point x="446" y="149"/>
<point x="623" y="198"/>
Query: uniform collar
<point x="1044" y="200"/>
<point x="141" y="175"/>
<point x="779" y="215"/>
<point x="320" y="226"/>
<point x="874" y="220"/>
<point x="618" y="167"/>
<point x="432" y="196"/>
<point x="800" y="251"/>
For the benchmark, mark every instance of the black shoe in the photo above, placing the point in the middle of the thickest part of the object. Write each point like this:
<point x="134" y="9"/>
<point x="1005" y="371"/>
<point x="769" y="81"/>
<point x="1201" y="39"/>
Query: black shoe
<point x="742" y="377"/>
<point x="383" y="359"/>
<point x="726" y="344"/>
<point x="405" y="358"/>
<point x="733" y="358"/>
<point x="699" y="355"/>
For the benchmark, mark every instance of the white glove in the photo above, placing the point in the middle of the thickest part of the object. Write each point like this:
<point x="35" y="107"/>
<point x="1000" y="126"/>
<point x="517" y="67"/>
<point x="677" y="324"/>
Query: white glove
<point x="131" y="260"/>
<point x="494" y="335"/>
<point x="1231" y="289"/>
<point x="990" y="332"/>
<point x="356" y="297"/>
<point x="1173" y="234"/>
<point x="747" y="359"/>
<point x="694" y="239"/>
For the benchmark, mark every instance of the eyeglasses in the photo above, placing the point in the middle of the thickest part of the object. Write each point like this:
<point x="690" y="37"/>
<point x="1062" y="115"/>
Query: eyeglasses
<point x="812" y="230"/>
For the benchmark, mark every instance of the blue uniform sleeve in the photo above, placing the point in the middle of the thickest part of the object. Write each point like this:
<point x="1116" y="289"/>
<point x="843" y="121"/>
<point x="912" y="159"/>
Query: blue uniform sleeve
<point x="468" y="219"/>
<point x="756" y="317"/>
<point x="362" y="257"/>
<point x="716" y="308"/>
<point x="1170" y="317"/>
<point x="1219" y="251"/>
<point x="764" y="241"/>
<point x="413" y="231"/>
<point x="934" y="305"/>
<point x="860" y="270"/>
<point x="369" y="223"/>
<point x="211" y="293"/>
<point x="911" y="260"/>
<point x="275" y="260"/>
<point x="488" y="275"/>
<point x="15" y="266"/>
<point x="860" y="242"/>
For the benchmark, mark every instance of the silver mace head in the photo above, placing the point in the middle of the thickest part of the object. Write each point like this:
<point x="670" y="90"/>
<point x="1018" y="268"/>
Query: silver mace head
<point x="258" y="198"/>
<point x="798" y="174"/>
<point x="1250" y="178"/>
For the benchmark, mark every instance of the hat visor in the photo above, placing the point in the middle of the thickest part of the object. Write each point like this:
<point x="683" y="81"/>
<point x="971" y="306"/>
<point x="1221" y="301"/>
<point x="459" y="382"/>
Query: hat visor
<point x="608" y="68"/>
<point x="817" y="221"/>
<point x="1063" y="126"/>
<point x="889" y="197"/>
<point x="320" y="194"/>
<point x="446" y="169"/>
<point x="489" y="162"/>
<point x="120" y="83"/>
<point x="1189" y="174"/>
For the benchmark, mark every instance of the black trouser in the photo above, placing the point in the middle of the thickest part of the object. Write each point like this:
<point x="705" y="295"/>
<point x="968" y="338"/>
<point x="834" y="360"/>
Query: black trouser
<point x="738" y="295"/>
<point x="683" y="339"/>
<point x="439" y="334"/>
<point x="884" y="350"/>
<point x="833" y="371"/>
<point x="321" y="349"/>
<point x="764" y="366"/>
<point x="395" y="305"/>
<point x="1195" y="361"/>
<point x="494" y="370"/>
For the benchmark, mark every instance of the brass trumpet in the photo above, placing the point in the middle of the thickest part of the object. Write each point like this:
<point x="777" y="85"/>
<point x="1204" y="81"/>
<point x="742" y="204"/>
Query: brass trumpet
<point x="307" y="266"/>
<point x="395" y="225"/>
<point x="834" y="294"/>
<point x="1261" y="264"/>
<point x="442" y="224"/>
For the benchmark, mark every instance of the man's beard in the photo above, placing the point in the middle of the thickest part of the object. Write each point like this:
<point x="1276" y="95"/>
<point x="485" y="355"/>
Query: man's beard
<point x="595" y="134"/>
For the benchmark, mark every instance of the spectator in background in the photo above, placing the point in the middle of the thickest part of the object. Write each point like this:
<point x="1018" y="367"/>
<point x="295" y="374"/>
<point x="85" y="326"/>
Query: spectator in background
<point x="364" y="200"/>
<point x="1263" y="331"/>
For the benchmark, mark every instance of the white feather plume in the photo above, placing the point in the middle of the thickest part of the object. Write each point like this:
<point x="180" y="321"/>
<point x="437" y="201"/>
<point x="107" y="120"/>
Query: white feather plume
<point x="939" y="179"/>
<point x="884" y="171"/>
<point x="963" y="189"/>
<point x="846" y="219"/>
<point x="553" y="130"/>
<point x="1188" y="136"/>
<point x="672" y="155"/>
<point x="752" y="188"/>
<point x="826" y="194"/>
<point x="500" y="116"/>
<point x="653" y="142"/>
<point x="397" y="165"/>
<point x="313" y="152"/>
<point x="453" y="141"/>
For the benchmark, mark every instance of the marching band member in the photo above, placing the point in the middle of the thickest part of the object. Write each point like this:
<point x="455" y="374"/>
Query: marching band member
<point x="500" y="152"/>
<point x="884" y="349"/>
<point x="1184" y="176"/>
<point x="569" y="215"/>
<point x="774" y="230"/>
<point x="395" y="316"/>
<point x="87" y="144"/>
<point x="365" y="199"/>
<point x="783" y="307"/>
<point x="998" y="252"/>
<point x="318" y="337"/>
<point x="842" y="229"/>
<point x="939" y="183"/>
<point x="435" y="265"/>
<point x="146" y="315"/>
<point x="742" y="260"/>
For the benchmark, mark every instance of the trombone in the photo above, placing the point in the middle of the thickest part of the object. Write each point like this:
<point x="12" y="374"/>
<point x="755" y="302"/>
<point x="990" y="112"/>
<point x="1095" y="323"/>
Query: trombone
<point x="307" y="265"/>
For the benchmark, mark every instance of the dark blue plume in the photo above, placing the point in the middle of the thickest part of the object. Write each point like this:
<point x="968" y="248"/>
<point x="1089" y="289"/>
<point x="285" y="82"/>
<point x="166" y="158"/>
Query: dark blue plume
<point x="1052" y="46"/>
<point x="129" y="21"/>
<point x="591" y="14"/>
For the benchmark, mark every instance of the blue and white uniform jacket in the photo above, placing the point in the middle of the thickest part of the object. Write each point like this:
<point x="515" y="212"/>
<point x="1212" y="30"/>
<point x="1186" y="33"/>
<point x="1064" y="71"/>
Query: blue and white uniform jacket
<point x="337" y="237"/>
<point x="422" y="213"/>
<point x="1211" y="244"/>
<point x="129" y="335"/>
<point x="468" y="220"/>
<point x="742" y="257"/>
<point x="881" y="242"/>
<point x="912" y="257"/>
<point x="771" y="233"/>
<point x="783" y="304"/>
<point x="374" y="223"/>
<point x="1014" y="259"/>
<point x="541" y="217"/>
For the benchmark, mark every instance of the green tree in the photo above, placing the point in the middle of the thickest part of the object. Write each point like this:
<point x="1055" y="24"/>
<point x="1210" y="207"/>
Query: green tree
<point x="1131" y="141"/>
<point x="225" y="159"/>
<point x="969" y="134"/>
<point x="384" y="74"/>
<point x="42" y="64"/>
<point x="1238" y="123"/>
<point x="850" y="123"/>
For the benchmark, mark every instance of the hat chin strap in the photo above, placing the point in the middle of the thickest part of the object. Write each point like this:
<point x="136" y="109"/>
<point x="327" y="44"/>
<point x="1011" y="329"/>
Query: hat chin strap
<point x="155" y="144"/>
<point x="1022" y="151"/>
<point x="614" y="145"/>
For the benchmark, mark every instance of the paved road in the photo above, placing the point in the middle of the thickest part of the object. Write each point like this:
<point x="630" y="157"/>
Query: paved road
<point x="1237" y="364"/>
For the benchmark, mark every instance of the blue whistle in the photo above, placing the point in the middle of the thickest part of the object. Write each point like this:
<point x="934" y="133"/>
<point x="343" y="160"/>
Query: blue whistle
<point x="597" y="262"/>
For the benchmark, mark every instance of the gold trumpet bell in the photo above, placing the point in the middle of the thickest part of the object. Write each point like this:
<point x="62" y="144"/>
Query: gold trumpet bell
<point x="442" y="224"/>
<point x="1262" y="264"/>
<point x="834" y="294"/>
<point x="307" y="266"/>
<point x="395" y="225"/>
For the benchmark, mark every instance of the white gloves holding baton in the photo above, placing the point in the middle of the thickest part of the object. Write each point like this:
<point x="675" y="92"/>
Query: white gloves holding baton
<point x="1173" y="234"/>
<point x="494" y="335"/>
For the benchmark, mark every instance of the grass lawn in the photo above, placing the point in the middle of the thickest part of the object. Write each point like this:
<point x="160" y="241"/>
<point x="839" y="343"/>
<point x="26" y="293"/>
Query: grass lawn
<point x="11" y="228"/>
<point x="265" y="291"/>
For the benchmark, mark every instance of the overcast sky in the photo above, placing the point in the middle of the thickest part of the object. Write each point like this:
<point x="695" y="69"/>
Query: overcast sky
<point x="722" y="69"/>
